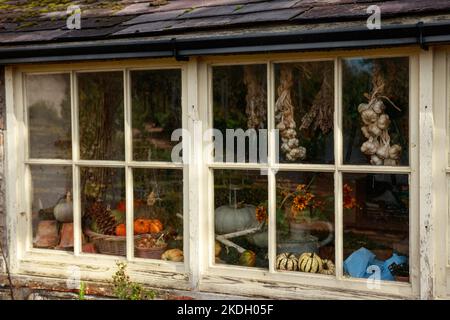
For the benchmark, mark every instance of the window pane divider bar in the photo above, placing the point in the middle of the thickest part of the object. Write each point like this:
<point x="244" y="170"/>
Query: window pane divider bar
<point x="56" y="162"/>
<point x="338" y="152"/>
<point x="271" y="180"/>
<point x="129" y="214"/>
<point x="77" y="229"/>
<point x="373" y="169"/>
<point x="156" y="164"/>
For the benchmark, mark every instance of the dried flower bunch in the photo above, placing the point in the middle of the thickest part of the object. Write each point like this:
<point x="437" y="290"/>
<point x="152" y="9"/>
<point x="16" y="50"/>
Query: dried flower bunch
<point x="284" y="117"/>
<point x="256" y="99"/>
<point x="261" y="214"/>
<point x="376" y="126"/>
<point x="300" y="200"/>
<point x="349" y="200"/>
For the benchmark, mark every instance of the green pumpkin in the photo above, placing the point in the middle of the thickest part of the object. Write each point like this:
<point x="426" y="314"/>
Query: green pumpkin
<point x="247" y="258"/>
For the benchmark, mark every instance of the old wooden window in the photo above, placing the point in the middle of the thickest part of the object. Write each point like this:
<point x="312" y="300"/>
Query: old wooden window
<point x="99" y="156"/>
<point x="332" y="200"/>
<point x="339" y="178"/>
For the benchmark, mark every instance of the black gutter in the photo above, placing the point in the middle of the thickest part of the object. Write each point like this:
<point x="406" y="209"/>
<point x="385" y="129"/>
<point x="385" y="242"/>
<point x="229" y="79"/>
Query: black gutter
<point x="355" y="38"/>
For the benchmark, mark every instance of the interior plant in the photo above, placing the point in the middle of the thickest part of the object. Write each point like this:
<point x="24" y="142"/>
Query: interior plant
<point x="125" y="289"/>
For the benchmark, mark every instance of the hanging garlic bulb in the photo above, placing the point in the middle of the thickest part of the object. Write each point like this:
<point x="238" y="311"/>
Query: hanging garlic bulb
<point x="284" y="117"/>
<point x="376" y="125"/>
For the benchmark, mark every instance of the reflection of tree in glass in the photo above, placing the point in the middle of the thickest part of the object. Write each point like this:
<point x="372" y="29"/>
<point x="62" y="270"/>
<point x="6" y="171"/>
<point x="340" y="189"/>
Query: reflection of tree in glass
<point x="50" y="133"/>
<point x="156" y="113"/>
<point x="101" y="116"/>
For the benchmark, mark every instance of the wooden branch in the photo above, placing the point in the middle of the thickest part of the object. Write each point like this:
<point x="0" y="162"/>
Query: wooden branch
<point x="223" y="238"/>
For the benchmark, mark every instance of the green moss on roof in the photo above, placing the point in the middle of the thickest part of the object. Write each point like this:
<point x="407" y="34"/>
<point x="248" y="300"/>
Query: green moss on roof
<point x="35" y="8"/>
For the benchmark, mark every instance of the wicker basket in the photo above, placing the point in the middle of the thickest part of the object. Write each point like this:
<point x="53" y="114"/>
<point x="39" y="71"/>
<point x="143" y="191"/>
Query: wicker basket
<point x="150" y="253"/>
<point x="112" y="245"/>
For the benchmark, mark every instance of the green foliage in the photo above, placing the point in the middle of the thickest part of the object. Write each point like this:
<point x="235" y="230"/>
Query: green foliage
<point x="82" y="291"/>
<point x="125" y="289"/>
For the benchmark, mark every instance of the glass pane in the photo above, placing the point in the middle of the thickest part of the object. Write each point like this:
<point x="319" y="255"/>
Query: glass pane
<point x="103" y="210"/>
<point x="240" y="104"/>
<point x="304" y="111"/>
<point x="156" y="113"/>
<point x="240" y="218"/>
<point x="48" y="108"/>
<point x="376" y="226"/>
<point x="100" y="97"/>
<point x="52" y="207"/>
<point x="305" y="222"/>
<point x="376" y="111"/>
<point x="158" y="214"/>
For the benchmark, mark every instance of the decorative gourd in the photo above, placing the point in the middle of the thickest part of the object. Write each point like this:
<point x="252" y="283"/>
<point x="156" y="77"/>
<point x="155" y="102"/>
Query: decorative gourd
<point x="328" y="267"/>
<point x="310" y="262"/>
<point x="286" y="261"/>
<point x="247" y="258"/>
<point x="140" y="226"/>
<point x="217" y="248"/>
<point x="154" y="226"/>
<point x="63" y="211"/>
<point x="121" y="206"/>
<point x="175" y="255"/>
<point x="121" y="230"/>
<point x="230" y="219"/>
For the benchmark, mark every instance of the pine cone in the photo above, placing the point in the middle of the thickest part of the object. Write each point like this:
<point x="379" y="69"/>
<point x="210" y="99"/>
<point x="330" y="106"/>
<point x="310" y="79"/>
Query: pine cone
<point x="104" y="221"/>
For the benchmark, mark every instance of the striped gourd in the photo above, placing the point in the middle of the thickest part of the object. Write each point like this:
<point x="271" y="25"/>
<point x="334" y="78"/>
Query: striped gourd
<point x="310" y="262"/>
<point x="328" y="267"/>
<point x="286" y="261"/>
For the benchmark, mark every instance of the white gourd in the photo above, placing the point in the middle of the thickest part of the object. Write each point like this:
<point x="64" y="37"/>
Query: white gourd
<point x="63" y="211"/>
<point x="229" y="219"/>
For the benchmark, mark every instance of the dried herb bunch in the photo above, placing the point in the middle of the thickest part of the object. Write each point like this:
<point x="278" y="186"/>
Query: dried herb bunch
<point x="320" y="115"/>
<point x="284" y="117"/>
<point x="256" y="99"/>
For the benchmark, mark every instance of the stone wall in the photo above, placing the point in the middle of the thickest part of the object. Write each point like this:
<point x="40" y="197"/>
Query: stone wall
<point x="3" y="230"/>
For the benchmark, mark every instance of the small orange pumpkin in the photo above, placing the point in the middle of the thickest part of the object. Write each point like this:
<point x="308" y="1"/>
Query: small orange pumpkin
<point x="140" y="226"/>
<point x="121" y="230"/>
<point x="155" y="226"/>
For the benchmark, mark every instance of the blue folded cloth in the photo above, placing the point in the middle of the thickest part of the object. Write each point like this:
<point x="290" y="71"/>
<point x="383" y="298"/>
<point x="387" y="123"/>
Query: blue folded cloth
<point x="357" y="263"/>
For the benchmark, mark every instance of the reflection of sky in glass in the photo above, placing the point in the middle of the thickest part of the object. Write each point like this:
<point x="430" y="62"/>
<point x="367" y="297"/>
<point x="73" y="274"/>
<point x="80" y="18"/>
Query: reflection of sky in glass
<point x="51" y="89"/>
<point x="362" y="65"/>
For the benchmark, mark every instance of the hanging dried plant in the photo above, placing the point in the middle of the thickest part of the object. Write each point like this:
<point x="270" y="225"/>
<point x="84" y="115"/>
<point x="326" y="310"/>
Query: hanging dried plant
<point x="284" y="117"/>
<point x="376" y="125"/>
<point x="321" y="111"/>
<point x="256" y="99"/>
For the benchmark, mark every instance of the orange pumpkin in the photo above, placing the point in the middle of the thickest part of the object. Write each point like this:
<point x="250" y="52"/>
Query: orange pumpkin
<point x="121" y="230"/>
<point x="155" y="226"/>
<point x="140" y="226"/>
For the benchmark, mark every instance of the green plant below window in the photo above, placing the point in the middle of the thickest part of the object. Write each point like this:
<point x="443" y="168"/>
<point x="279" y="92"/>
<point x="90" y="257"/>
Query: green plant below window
<point x="125" y="289"/>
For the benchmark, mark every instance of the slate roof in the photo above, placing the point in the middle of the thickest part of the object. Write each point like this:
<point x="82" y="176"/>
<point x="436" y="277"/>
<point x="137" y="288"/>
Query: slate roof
<point x="20" y="24"/>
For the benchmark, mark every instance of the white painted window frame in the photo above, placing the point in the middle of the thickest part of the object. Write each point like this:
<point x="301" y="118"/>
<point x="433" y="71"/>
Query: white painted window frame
<point x="198" y="271"/>
<point x="219" y="273"/>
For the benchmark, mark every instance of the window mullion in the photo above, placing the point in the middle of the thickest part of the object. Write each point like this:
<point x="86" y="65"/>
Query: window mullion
<point x="128" y="170"/>
<point x="272" y="161"/>
<point x="338" y="153"/>
<point x="77" y="247"/>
